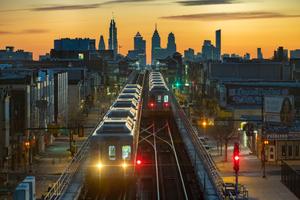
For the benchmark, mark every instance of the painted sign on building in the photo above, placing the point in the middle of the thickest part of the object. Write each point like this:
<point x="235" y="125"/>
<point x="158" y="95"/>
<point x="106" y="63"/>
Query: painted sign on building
<point x="279" y="109"/>
<point x="245" y="96"/>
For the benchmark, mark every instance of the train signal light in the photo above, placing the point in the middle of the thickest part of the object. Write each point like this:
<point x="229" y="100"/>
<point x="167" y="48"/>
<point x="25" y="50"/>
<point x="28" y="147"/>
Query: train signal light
<point x="138" y="162"/>
<point x="236" y="157"/>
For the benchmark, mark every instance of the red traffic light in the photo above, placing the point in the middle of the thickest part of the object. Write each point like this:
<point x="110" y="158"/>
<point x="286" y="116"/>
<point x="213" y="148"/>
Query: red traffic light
<point x="138" y="162"/>
<point x="236" y="157"/>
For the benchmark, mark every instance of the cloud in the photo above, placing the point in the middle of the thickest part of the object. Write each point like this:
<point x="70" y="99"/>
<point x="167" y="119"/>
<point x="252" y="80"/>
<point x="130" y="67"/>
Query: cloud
<point x="229" y="16"/>
<point x="205" y="2"/>
<point x="67" y="7"/>
<point x="126" y="1"/>
<point x="26" y="31"/>
<point x="5" y="32"/>
<point x="34" y="31"/>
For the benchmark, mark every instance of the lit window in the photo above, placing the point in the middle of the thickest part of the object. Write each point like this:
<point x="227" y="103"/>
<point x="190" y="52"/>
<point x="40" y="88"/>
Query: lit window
<point x="158" y="98"/>
<point x="166" y="98"/>
<point x="112" y="152"/>
<point x="126" y="152"/>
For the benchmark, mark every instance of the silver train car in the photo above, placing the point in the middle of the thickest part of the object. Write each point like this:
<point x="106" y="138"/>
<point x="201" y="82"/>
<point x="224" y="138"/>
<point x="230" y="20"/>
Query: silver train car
<point x="158" y="94"/>
<point x="112" y="155"/>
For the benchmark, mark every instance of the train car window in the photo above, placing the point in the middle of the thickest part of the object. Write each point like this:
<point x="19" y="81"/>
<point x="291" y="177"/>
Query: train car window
<point x="126" y="152"/>
<point x="158" y="98"/>
<point x="112" y="152"/>
<point x="166" y="98"/>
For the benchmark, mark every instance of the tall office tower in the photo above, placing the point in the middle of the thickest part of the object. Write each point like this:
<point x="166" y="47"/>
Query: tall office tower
<point x="259" y="54"/>
<point x="171" y="46"/>
<point x="101" y="43"/>
<point x="113" y="37"/>
<point x="218" y="44"/>
<point x="139" y="43"/>
<point x="155" y="45"/>
<point x="208" y="50"/>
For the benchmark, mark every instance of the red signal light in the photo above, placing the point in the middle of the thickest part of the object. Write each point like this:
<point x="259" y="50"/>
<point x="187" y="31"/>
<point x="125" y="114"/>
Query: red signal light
<point x="236" y="158"/>
<point x="166" y="104"/>
<point x="151" y="105"/>
<point x="138" y="162"/>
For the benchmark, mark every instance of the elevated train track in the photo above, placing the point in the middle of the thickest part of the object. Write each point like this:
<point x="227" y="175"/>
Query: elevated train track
<point x="166" y="169"/>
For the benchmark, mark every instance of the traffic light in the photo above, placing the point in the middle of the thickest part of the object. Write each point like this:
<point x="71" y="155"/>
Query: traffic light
<point x="236" y="157"/>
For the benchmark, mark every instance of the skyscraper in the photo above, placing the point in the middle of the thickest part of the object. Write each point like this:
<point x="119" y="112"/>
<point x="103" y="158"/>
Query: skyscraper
<point x="155" y="44"/>
<point x="171" y="46"/>
<point x="139" y="43"/>
<point x="259" y="54"/>
<point x="113" y="37"/>
<point x="101" y="43"/>
<point x="218" y="44"/>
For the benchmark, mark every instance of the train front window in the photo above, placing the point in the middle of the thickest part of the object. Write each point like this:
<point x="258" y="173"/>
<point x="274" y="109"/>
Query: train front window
<point x="112" y="152"/>
<point x="166" y="98"/>
<point x="158" y="98"/>
<point x="126" y="152"/>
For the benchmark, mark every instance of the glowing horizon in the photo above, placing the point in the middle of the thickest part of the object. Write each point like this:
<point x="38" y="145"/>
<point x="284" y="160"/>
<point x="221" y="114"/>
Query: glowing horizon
<point x="246" y="25"/>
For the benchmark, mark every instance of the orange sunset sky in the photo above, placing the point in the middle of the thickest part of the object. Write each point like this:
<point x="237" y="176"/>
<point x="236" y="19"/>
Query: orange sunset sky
<point x="246" y="24"/>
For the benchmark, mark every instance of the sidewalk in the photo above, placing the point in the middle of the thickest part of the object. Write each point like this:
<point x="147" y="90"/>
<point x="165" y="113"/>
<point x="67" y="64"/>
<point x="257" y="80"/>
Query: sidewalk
<point x="48" y="166"/>
<point x="250" y="175"/>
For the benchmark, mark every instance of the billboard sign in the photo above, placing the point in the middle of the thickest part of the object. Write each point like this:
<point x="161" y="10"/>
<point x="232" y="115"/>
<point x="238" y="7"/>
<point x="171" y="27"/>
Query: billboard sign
<point x="251" y="96"/>
<point x="279" y="109"/>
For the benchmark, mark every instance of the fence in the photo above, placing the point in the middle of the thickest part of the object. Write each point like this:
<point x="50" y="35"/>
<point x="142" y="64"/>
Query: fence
<point x="290" y="178"/>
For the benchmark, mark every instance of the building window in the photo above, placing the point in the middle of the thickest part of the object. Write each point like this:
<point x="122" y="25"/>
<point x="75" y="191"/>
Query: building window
<point x="112" y="152"/>
<point x="290" y="150"/>
<point x="126" y="152"/>
<point x="297" y="150"/>
<point x="283" y="150"/>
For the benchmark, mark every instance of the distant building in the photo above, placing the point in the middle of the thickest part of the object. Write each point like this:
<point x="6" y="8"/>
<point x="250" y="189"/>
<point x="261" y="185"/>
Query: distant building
<point x="77" y="44"/>
<point x="247" y="56"/>
<point x="139" y="43"/>
<point x="171" y="46"/>
<point x="218" y="45"/>
<point x="9" y="54"/>
<point x="295" y="54"/>
<point x="101" y="45"/>
<point x="259" y="54"/>
<point x="155" y="45"/>
<point x="139" y="52"/>
<point x="113" y="37"/>
<point x="189" y="54"/>
<point x="281" y="55"/>
<point x="208" y="50"/>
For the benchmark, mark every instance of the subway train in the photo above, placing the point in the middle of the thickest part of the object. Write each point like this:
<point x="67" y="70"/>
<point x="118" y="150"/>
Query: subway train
<point x="113" y="145"/>
<point x="158" y="94"/>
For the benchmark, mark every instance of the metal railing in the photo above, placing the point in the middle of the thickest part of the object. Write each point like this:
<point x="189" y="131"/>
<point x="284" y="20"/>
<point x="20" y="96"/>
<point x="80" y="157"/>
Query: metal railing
<point x="290" y="178"/>
<point x="201" y="151"/>
<point x="64" y="180"/>
<point x="73" y="167"/>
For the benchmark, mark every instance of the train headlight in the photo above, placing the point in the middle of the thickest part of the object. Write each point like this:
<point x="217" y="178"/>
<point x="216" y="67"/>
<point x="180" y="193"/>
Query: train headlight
<point x="124" y="165"/>
<point x="99" y="165"/>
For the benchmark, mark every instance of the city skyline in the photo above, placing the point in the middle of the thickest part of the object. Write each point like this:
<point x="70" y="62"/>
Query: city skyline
<point x="245" y="26"/>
